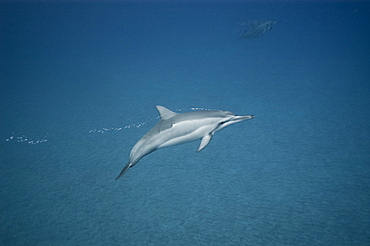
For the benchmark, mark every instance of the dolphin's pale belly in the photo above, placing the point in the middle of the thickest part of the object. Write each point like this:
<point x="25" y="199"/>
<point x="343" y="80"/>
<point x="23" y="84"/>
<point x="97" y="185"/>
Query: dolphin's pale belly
<point x="179" y="133"/>
<point x="187" y="136"/>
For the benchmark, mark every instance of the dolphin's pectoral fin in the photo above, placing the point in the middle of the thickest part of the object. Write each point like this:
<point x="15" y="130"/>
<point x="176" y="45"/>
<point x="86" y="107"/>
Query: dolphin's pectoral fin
<point x="124" y="170"/>
<point x="205" y="141"/>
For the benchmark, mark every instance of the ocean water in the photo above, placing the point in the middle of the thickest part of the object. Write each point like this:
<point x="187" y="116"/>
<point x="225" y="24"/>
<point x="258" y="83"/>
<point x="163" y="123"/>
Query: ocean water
<point x="79" y="82"/>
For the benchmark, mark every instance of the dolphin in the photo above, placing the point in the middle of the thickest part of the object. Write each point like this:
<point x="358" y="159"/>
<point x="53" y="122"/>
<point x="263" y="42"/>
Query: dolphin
<point x="258" y="28"/>
<point x="178" y="128"/>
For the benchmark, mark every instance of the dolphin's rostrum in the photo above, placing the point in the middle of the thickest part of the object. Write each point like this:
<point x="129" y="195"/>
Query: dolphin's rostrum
<point x="177" y="128"/>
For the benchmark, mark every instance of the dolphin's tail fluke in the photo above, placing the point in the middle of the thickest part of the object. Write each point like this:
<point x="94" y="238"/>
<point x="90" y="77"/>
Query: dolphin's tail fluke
<point x="124" y="170"/>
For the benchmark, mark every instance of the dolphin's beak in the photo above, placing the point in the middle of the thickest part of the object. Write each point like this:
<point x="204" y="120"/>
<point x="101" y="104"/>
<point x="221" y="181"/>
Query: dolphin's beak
<point x="243" y="117"/>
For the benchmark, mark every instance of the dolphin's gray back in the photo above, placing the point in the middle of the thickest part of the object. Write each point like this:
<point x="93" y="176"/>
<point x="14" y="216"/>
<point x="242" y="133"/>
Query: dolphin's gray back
<point x="196" y="115"/>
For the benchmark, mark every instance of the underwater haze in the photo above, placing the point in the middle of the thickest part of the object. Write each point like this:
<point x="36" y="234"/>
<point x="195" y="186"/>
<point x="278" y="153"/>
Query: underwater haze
<point x="79" y="82"/>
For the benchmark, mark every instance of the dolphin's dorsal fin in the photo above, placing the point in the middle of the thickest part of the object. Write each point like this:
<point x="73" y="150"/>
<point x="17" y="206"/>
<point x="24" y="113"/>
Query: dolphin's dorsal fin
<point x="165" y="113"/>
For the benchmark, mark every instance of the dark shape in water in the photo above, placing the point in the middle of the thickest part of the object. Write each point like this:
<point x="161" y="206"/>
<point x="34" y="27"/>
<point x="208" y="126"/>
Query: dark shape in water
<point x="256" y="28"/>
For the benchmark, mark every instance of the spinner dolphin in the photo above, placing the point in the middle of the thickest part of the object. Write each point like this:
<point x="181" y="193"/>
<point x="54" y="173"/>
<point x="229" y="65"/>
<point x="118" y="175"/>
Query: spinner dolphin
<point x="178" y="128"/>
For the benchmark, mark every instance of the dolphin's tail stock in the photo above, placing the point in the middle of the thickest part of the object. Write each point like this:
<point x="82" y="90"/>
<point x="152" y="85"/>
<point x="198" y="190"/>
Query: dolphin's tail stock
<point x="124" y="170"/>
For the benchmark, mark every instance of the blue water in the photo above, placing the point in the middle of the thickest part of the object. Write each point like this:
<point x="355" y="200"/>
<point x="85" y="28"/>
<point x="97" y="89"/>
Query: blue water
<point x="79" y="86"/>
